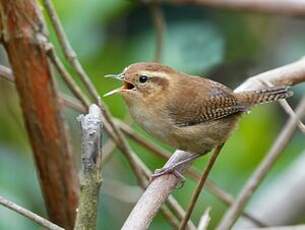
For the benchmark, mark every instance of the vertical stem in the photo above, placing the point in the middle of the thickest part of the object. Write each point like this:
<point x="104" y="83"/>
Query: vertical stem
<point x="24" y="39"/>
<point x="90" y="178"/>
<point x="199" y="187"/>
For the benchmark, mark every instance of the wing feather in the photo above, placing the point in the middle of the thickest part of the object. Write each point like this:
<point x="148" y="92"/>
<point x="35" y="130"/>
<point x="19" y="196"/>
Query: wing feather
<point x="199" y="103"/>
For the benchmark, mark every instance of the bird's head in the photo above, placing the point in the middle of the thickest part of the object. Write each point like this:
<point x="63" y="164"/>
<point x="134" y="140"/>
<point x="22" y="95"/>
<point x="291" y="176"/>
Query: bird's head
<point x="143" y="81"/>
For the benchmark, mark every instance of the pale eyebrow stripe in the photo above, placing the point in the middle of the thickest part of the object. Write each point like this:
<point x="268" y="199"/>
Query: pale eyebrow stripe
<point x="153" y="73"/>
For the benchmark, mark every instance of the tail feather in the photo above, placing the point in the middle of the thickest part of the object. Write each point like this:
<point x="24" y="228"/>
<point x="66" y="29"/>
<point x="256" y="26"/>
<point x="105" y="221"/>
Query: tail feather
<point x="266" y="95"/>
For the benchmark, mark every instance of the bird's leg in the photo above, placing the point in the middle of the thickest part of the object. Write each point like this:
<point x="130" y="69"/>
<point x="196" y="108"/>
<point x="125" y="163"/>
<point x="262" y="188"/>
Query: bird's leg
<point x="173" y="168"/>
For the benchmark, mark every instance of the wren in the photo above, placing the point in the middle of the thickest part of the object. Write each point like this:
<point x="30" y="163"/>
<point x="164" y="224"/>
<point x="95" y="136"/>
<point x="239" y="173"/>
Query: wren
<point x="190" y="113"/>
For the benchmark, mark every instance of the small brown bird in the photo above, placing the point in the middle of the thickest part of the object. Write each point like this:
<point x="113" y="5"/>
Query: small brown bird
<point x="190" y="113"/>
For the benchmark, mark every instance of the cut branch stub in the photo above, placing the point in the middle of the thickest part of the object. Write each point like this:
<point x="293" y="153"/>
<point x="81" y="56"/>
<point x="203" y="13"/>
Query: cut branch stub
<point x="90" y="176"/>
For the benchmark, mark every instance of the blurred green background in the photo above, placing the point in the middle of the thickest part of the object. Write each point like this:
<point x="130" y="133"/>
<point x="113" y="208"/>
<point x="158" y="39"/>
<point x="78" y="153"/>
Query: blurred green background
<point x="111" y="34"/>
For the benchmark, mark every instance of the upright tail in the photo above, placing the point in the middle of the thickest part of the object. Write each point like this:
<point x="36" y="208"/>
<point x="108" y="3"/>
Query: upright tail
<point x="250" y="98"/>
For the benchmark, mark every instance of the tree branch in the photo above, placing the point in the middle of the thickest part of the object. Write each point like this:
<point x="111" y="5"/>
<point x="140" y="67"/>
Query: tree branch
<point x="24" y="38"/>
<point x="28" y="214"/>
<point x="90" y="178"/>
<point x="159" y="24"/>
<point x="159" y="189"/>
<point x="68" y="50"/>
<point x="285" y="7"/>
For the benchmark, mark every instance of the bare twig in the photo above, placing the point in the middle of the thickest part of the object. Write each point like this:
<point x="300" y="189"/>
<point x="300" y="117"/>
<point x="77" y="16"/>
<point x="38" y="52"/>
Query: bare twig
<point x="90" y="178"/>
<point x="290" y="111"/>
<point x="68" y="50"/>
<point x="286" y="7"/>
<point x="287" y="108"/>
<point x="162" y="186"/>
<point x="67" y="78"/>
<point x="28" y="214"/>
<point x="262" y="170"/>
<point x="199" y="187"/>
<point x="159" y="24"/>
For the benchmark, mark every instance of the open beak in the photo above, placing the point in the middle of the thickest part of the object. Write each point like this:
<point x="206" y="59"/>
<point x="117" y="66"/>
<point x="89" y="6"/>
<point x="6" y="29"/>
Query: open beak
<point x="126" y="85"/>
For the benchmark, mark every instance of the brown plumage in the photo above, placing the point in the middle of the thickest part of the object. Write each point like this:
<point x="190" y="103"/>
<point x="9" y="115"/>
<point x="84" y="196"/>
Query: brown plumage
<point x="188" y="112"/>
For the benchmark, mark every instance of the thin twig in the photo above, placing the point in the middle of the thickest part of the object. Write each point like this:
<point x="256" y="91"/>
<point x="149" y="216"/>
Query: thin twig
<point x="199" y="187"/>
<point x="262" y="170"/>
<point x="28" y="214"/>
<point x="140" y="140"/>
<point x="159" y="24"/>
<point x="290" y="111"/>
<point x="90" y="178"/>
<point x="286" y="107"/>
<point x="73" y="60"/>
<point x="68" y="50"/>
<point x="67" y="77"/>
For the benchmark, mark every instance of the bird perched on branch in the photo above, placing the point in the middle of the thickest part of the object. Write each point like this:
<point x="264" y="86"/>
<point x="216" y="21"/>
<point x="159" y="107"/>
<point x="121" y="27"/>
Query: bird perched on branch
<point x="190" y="113"/>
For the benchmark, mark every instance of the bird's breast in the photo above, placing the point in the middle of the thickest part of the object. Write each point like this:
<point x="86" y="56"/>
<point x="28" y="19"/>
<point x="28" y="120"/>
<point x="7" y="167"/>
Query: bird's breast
<point x="154" y="121"/>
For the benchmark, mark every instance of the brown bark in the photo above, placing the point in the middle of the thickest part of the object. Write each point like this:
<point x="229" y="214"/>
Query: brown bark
<point x="24" y="38"/>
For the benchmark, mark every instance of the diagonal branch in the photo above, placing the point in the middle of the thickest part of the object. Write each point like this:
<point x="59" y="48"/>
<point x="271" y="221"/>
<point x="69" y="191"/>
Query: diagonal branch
<point x="68" y="50"/>
<point x="28" y="214"/>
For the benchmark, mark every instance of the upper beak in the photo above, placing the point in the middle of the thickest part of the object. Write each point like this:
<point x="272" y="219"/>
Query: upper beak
<point x="114" y="91"/>
<point x="115" y="76"/>
<point x="126" y="84"/>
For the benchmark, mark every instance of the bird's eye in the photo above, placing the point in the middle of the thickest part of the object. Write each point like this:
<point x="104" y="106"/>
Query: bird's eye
<point x="143" y="78"/>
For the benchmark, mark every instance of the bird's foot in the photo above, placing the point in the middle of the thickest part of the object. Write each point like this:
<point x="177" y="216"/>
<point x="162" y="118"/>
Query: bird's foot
<point x="169" y="170"/>
<point x="173" y="169"/>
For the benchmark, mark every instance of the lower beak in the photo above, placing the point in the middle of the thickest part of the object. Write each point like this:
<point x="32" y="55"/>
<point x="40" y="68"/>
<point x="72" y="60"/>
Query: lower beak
<point x="114" y="91"/>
